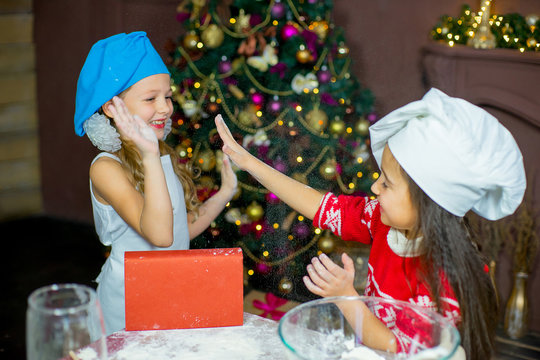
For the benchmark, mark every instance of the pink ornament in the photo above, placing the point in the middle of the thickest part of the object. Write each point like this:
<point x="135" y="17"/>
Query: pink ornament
<point x="272" y="198"/>
<point x="278" y="10"/>
<point x="257" y="99"/>
<point x="301" y="230"/>
<point x="324" y="76"/>
<point x="263" y="268"/>
<point x="372" y="117"/>
<point x="224" y="66"/>
<point x="274" y="106"/>
<point x="280" y="166"/>
<point x="288" y="31"/>
<point x="255" y="19"/>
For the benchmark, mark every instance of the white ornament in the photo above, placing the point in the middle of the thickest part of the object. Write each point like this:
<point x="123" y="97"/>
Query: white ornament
<point x="268" y="58"/>
<point x="301" y="82"/>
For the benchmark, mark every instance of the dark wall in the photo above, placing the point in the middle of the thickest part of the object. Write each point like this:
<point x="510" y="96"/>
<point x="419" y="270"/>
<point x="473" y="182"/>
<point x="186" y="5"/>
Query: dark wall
<point x="385" y="38"/>
<point x="64" y="32"/>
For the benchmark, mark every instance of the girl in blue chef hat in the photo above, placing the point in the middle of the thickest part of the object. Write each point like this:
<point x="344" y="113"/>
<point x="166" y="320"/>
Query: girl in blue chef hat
<point x="143" y="198"/>
<point x="439" y="158"/>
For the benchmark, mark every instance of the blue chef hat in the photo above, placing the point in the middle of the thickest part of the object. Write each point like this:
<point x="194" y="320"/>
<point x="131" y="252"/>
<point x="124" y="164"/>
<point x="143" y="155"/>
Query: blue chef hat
<point x="112" y="66"/>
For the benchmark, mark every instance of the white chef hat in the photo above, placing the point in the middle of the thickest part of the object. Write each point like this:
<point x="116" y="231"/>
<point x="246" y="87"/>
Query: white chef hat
<point x="456" y="152"/>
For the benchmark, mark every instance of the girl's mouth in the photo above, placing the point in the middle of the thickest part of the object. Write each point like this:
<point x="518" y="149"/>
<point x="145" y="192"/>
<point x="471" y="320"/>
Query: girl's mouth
<point x="157" y="124"/>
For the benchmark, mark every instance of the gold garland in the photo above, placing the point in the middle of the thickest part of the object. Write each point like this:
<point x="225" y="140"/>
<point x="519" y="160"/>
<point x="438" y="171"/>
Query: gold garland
<point x="316" y="161"/>
<point x="253" y="188"/>
<point x="343" y="71"/>
<point x="297" y="15"/>
<point x="261" y="87"/>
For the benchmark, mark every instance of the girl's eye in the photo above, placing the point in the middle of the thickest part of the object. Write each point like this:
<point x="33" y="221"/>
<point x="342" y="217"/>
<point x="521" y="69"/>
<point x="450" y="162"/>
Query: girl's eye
<point x="150" y="99"/>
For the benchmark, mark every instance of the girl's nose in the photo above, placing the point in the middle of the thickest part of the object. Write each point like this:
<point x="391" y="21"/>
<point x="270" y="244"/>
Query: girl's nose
<point x="162" y="106"/>
<point x="375" y="187"/>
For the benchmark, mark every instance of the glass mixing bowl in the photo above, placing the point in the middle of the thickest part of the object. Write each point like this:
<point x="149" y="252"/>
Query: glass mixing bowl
<point x="318" y="330"/>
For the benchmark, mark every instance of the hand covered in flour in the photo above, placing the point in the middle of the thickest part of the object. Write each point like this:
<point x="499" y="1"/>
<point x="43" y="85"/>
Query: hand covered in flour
<point x="133" y="128"/>
<point x="327" y="279"/>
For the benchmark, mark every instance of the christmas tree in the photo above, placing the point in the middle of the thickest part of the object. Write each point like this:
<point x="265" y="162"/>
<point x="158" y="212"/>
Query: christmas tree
<point x="279" y="73"/>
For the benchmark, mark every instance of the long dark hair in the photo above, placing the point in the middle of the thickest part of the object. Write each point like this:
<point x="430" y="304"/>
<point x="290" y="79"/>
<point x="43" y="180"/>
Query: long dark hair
<point x="447" y="247"/>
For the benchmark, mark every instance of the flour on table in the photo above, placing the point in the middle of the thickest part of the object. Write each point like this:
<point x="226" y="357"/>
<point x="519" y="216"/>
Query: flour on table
<point x="253" y="341"/>
<point x="361" y="353"/>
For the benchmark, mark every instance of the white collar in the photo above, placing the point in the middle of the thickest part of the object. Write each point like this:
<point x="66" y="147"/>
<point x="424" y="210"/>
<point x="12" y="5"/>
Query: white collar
<point x="402" y="246"/>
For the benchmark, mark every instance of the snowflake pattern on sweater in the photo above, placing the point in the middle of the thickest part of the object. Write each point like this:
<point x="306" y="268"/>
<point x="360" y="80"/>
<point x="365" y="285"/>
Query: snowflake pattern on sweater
<point x="392" y="274"/>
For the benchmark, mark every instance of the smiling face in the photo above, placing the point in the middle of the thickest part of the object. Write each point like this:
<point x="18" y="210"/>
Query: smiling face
<point x="150" y="99"/>
<point x="392" y="191"/>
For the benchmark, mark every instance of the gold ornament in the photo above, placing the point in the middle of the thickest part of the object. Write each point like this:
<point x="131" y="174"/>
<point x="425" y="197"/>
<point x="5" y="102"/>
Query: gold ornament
<point x="206" y="160"/>
<point x="326" y="243"/>
<point x="190" y="41"/>
<point x="337" y="126"/>
<point x="317" y="119"/>
<point x="328" y="169"/>
<point x="362" y="126"/>
<point x="212" y="36"/>
<point x="342" y="50"/>
<point x="242" y="21"/>
<point x="303" y="56"/>
<point x="285" y="285"/>
<point x="320" y="28"/>
<point x="247" y="118"/>
<point x="254" y="211"/>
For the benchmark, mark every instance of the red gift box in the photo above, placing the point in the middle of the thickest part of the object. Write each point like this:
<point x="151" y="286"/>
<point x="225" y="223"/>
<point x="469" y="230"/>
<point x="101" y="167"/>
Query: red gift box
<point x="179" y="289"/>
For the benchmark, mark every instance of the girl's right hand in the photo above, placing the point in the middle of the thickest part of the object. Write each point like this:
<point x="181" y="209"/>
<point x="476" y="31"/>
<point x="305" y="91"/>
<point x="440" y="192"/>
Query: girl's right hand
<point x="132" y="127"/>
<point x="236" y="152"/>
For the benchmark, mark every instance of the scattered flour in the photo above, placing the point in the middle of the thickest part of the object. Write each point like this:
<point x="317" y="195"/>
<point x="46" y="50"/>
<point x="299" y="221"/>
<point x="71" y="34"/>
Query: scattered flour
<point x="88" y="354"/>
<point x="361" y="353"/>
<point x="256" y="339"/>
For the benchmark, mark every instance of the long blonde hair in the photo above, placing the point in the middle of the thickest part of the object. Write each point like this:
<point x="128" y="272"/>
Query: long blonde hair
<point x="131" y="162"/>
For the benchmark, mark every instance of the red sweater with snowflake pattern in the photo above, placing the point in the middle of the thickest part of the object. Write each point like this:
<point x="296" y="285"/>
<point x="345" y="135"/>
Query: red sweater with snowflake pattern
<point x="393" y="269"/>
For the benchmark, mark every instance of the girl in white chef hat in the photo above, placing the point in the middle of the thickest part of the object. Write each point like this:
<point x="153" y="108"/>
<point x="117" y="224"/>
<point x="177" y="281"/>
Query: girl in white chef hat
<point x="439" y="158"/>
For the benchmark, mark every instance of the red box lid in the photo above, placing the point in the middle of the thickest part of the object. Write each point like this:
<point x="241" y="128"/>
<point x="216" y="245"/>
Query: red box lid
<point x="179" y="289"/>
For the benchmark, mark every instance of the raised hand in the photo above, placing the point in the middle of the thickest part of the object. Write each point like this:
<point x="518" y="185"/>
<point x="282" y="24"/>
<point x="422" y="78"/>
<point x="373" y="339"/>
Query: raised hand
<point x="229" y="182"/>
<point x="236" y="152"/>
<point x="132" y="127"/>
<point x="327" y="279"/>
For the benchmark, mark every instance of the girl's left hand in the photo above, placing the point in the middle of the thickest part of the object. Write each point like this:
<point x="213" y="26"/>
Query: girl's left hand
<point x="327" y="279"/>
<point x="229" y="181"/>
